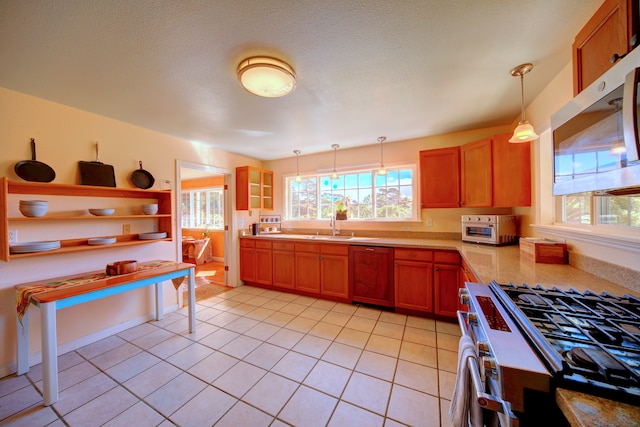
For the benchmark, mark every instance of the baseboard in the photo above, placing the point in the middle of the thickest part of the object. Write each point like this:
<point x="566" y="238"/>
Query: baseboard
<point x="36" y="358"/>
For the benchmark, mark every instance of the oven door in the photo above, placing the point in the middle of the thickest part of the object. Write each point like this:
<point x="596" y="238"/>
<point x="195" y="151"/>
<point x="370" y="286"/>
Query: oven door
<point x="496" y="411"/>
<point x="480" y="232"/>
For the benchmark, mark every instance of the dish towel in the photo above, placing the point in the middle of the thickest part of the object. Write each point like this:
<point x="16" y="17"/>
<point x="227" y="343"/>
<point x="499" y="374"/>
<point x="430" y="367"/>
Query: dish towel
<point x="464" y="410"/>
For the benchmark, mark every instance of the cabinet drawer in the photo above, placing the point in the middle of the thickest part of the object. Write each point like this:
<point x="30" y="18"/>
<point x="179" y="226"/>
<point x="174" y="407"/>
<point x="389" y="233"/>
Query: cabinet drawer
<point x="283" y="246"/>
<point x="260" y="244"/>
<point x="247" y="243"/>
<point x="447" y="257"/>
<point x="308" y="247"/>
<point x="335" y="249"/>
<point x="413" y="254"/>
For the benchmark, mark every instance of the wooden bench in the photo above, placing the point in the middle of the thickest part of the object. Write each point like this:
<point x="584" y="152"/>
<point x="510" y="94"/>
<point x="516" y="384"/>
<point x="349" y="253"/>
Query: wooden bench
<point x="62" y="292"/>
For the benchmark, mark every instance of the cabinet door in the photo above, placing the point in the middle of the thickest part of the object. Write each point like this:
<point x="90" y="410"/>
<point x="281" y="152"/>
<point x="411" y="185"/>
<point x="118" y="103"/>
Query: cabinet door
<point x="308" y="271"/>
<point x="247" y="264"/>
<point x="263" y="268"/>
<point x="476" y="174"/>
<point x="446" y="281"/>
<point x="284" y="269"/>
<point x="605" y="34"/>
<point x="371" y="275"/>
<point x="511" y="172"/>
<point x="414" y="285"/>
<point x="254" y="188"/>
<point x="335" y="276"/>
<point x="440" y="178"/>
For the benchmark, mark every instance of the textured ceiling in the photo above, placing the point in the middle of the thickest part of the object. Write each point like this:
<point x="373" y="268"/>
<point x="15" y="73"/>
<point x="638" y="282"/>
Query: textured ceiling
<point x="403" y="69"/>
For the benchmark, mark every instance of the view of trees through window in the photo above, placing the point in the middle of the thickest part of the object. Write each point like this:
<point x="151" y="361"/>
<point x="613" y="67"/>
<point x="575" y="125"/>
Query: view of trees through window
<point x="583" y="208"/>
<point x="365" y="195"/>
<point x="203" y="209"/>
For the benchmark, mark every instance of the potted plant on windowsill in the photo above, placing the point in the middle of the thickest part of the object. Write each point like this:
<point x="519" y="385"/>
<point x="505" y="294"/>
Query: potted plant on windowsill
<point x="341" y="209"/>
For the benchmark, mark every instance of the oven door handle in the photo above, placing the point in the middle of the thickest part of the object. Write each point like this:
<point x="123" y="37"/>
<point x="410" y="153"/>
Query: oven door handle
<point x="485" y="400"/>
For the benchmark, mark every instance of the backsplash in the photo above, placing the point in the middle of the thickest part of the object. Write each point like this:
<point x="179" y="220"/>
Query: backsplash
<point x="622" y="276"/>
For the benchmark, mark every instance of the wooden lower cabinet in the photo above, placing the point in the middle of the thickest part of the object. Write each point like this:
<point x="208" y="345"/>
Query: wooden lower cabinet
<point x="284" y="263"/>
<point x="322" y="269"/>
<point x="255" y="261"/>
<point x="371" y="275"/>
<point x="427" y="281"/>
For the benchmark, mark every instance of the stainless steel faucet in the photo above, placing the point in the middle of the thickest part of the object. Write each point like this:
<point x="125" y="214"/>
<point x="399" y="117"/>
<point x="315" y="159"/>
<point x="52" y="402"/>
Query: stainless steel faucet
<point x="334" y="232"/>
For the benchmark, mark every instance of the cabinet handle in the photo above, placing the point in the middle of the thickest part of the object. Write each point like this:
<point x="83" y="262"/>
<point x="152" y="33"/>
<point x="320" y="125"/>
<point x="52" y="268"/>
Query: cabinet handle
<point x="369" y="249"/>
<point x="615" y="57"/>
<point x="436" y="269"/>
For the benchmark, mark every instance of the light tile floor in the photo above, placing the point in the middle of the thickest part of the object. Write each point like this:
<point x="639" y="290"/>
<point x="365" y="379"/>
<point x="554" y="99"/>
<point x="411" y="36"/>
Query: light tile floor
<point x="258" y="358"/>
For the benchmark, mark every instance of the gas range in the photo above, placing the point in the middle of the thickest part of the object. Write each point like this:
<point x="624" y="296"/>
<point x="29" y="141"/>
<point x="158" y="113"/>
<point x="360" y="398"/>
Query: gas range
<point x="590" y="342"/>
<point x="531" y="340"/>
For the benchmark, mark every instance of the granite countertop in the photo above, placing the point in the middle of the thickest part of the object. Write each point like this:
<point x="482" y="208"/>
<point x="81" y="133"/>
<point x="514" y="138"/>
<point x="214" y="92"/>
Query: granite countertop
<point x="503" y="264"/>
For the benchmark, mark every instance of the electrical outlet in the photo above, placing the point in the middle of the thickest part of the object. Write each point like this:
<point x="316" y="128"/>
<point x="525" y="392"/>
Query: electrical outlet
<point x="126" y="228"/>
<point x="154" y="227"/>
<point x="13" y="236"/>
<point x="429" y="222"/>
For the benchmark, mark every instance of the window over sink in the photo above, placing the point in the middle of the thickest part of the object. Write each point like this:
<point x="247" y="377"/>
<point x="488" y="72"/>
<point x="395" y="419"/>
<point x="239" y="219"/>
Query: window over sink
<point x="365" y="195"/>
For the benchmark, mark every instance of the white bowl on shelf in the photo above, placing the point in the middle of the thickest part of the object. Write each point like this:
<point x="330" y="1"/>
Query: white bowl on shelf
<point x="150" y="209"/>
<point x="102" y="212"/>
<point x="33" y="208"/>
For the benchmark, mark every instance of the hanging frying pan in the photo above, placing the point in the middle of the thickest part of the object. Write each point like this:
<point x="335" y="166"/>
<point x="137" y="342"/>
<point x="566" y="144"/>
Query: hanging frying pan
<point x="32" y="170"/>
<point x="142" y="178"/>
<point x="97" y="173"/>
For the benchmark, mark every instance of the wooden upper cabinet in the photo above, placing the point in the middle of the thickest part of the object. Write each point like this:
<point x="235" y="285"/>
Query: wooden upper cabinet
<point x="440" y="178"/>
<point x="606" y="34"/>
<point x="254" y="188"/>
<point x="476" y="174"/>
<point x="511" y="172"/>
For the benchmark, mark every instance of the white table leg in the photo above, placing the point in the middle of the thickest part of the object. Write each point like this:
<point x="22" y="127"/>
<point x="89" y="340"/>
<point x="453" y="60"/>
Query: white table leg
<point x="159" y="303"/>
<point x="191" y="294"/>
<point x="49" y="353"/>
<point x="22" y="330"/>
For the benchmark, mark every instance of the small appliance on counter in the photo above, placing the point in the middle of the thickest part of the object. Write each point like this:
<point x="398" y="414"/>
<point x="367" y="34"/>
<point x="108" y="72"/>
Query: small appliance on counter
<point x="496" y="230"/>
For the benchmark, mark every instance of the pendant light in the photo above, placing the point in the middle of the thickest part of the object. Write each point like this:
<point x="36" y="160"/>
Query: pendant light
<point x="298" y="178"/>
<point x="382" y="170"/>
<point x="266" y="77"/>
<point x="334" y="175"/>
<point x="524" y="132"/>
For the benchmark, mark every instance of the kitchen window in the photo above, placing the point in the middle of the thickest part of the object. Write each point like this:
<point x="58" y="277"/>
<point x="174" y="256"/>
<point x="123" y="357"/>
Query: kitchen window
<point x="601" y="212"/>
<point x="365" y="194"/>
<point x="203" y="209"/>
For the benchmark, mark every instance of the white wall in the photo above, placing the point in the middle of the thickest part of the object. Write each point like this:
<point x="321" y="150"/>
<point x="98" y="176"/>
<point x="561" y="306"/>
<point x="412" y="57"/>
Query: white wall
<point x="64" y="136"/>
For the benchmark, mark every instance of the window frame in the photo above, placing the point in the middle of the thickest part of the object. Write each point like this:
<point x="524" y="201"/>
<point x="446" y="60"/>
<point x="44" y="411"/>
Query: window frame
<point x="209" y="224"/>
<point x="415" y="194"/>
<point x="594" y="224"/>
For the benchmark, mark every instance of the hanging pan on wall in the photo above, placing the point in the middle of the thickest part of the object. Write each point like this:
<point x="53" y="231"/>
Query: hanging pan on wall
<point x="142" y="178"/>
<point x="33" y="170"/>
<point x="97" y="173"/>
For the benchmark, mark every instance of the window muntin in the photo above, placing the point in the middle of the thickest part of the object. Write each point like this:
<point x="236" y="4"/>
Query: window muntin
<point x="368" y="196"/>
<point x="203" y="209"/>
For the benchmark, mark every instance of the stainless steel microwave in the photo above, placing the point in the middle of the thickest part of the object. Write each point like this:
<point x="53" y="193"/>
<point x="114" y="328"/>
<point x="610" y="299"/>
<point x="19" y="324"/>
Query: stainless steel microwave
<point x="595" y="136"/>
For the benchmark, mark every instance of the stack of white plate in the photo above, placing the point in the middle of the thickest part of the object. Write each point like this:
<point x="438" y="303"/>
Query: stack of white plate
<point x="152" y="236"/>
<point x="101" y="241"/>
<point x="27" y="247"/>
<point x="33" y="208"/>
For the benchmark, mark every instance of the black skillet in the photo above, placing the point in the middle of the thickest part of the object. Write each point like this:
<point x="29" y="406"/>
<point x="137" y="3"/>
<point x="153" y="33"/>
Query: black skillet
<point x="33" y="170"/>
<point x="142" y="178"/>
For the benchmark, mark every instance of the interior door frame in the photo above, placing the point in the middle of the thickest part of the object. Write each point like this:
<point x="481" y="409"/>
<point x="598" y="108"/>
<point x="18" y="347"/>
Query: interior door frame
<point x="227" y="207"/>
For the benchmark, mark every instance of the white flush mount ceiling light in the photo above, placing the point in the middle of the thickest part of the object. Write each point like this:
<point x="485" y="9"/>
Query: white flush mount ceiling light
<point x="524" y="132"/>
<point x="298" y="177"/>
<point x="334" y="174"/>
<point x="382" y="170"/>
<point x="267" y="77"/>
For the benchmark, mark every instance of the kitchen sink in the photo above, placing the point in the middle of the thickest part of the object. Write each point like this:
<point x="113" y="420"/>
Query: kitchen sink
<point x="321" y="237"/>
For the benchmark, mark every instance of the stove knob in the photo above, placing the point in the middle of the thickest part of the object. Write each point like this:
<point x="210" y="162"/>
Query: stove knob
<point x="473" y="318"/>
<point x="490" y="367"/>
<point x="463" y="293"/>
<point x="478" y="219"/>
<point x="483" y="348"/>
<point x="488" y="219"/>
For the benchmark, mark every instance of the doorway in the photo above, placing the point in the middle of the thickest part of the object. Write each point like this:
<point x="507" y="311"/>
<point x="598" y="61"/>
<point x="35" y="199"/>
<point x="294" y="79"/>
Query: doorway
<point x="202" y="217"/>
